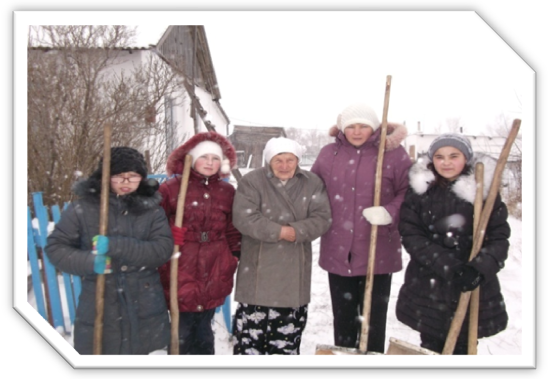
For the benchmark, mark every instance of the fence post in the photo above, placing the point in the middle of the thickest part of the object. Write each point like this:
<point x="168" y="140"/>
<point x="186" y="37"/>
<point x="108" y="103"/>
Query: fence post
<point x="35" y="269"/>
<point x="52" y="284"/>
<point x="67" y="278"/>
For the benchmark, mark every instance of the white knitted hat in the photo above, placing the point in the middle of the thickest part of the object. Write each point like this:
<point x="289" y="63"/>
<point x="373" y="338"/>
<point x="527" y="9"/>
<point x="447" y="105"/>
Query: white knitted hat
<point x="358" y="114"/>
<point x="279" y="145"/>
<point x="209" y="147"/>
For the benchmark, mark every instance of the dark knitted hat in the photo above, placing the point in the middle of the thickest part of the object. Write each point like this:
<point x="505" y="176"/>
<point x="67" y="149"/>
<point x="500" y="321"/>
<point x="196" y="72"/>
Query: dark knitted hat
<point x="124" y="159"/>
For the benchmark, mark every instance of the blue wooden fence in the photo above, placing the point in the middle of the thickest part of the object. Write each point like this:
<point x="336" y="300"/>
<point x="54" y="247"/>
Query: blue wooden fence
<point x="56" y="306"/>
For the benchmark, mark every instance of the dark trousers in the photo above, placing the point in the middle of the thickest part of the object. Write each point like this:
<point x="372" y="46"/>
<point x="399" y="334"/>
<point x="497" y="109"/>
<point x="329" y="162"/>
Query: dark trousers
<point x="347" y="303"/>
<point x="196" y="334"/>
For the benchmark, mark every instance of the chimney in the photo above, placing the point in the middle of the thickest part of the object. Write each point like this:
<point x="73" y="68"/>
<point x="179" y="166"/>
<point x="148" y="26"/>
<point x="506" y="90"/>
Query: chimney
<point x="418" y="126"/>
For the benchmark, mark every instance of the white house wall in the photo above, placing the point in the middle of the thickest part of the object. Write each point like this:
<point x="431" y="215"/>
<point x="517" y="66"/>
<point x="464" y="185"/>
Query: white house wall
<point x="181" y="103"/>
<point x="214" y="114"/>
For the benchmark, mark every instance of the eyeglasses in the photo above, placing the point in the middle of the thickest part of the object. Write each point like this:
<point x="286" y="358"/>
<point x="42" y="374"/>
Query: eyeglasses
<point x="120" y="179"/>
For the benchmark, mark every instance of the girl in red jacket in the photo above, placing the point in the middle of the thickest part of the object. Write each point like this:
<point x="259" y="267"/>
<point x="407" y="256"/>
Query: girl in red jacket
<point x="209" y="242"/>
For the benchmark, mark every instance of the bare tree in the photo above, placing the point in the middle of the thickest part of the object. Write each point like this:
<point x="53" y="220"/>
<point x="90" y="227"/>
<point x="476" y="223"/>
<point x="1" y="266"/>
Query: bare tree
<point x="454" y="125"/>
<point x="313" y="139"/>
<point x="76" y="84"/>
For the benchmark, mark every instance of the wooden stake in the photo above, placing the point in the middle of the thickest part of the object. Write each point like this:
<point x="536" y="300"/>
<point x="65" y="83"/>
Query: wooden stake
<point x="103" y="227"/>
<point x="474" y="299"/>
<point x="364" y="336"/>
<point x="173" y="284"/>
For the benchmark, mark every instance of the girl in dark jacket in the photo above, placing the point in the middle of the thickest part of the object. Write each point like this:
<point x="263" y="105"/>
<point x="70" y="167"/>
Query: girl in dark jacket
<point x="209" y="242"/>
<point x="138" y="240"/>
<point x="436" y="227"/>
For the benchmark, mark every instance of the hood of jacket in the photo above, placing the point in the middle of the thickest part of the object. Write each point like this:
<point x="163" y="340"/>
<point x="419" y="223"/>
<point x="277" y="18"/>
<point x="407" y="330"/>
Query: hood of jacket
<point x="176" y="160"/>
<point x="421" y="177"/>
<point x="144" y="198"/>
<point x="395" y="134"/>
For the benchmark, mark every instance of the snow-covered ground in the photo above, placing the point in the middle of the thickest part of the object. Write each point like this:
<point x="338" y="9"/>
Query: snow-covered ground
<point x="503" y="350"/>
<point x="319" y="328"/>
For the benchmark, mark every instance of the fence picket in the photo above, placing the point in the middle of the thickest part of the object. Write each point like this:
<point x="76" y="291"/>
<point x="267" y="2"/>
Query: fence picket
<point x="52" y="285"/>
<point x="71" y="296"/>
<point x="35" y="269"/>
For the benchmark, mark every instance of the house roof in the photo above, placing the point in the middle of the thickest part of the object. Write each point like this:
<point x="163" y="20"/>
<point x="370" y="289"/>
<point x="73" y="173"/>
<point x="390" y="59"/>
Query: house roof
<point x="185" y="49"/>
<point x="186" y="45"/>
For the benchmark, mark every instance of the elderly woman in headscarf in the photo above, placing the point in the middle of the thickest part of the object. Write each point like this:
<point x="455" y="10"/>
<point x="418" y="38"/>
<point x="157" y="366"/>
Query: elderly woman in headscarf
<point x="279" y="209"/>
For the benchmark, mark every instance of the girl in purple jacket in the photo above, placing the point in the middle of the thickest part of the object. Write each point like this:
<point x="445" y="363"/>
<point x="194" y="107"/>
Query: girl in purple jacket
<point x="347" y="168"/>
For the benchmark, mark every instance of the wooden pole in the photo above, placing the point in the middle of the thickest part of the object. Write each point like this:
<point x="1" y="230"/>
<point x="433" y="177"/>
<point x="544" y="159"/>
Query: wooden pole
<point x="147" y="160"/>
<point x="474" y="299"/>
<point x="103" y="227"/>
<point x="364" y="336"/>
<point x="173" y="283"/>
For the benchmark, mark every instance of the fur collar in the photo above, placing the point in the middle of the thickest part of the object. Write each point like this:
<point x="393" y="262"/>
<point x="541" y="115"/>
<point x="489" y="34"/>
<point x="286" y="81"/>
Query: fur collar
<point x="420" y="177"/>
<point x="395" y="134"/>
<point x="144" y="198"/>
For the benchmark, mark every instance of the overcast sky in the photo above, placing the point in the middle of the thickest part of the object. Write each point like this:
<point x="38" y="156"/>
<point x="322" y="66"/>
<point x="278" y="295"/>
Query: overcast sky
<point x="300" y="69"/>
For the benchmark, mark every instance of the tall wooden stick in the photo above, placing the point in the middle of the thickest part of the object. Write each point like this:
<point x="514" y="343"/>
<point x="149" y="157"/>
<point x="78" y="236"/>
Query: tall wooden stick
<point x="464" y="300"/>
<point x="173" y="283"/>
<point x="103" y="227"/>
<point x="474" y="299"/>
<point x="364" y="336"/>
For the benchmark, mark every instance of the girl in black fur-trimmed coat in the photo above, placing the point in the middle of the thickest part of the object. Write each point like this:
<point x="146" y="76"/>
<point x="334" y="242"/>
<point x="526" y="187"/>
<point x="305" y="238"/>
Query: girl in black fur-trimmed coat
<point x="138" y="240"/>
<point x="436" y="228"/>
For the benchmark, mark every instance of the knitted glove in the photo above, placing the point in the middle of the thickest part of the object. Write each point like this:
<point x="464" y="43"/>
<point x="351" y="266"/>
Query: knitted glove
<point x="377" y="215"/>
<point x="100" y="245"/>
<point x="101" y="262"/>
<point x="178" y="235"/>
<point x="467" y="278"/>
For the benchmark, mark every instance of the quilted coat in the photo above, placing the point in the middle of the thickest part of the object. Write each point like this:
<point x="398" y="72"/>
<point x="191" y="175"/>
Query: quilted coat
<point x="136" y="319"/>
<point x="349" y="176"/>
<point x="437" y="227"/>
<point x="206" y="263"/>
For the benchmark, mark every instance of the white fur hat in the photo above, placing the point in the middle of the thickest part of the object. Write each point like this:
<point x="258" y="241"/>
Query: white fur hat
<point x="358" y="114"/>
<point x="209" y="147"/>
<point x="279" y="145"/>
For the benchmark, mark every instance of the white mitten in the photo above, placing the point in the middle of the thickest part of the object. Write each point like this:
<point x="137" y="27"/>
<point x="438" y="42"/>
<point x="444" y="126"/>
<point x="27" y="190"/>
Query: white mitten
<point x="377" y="215"/>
